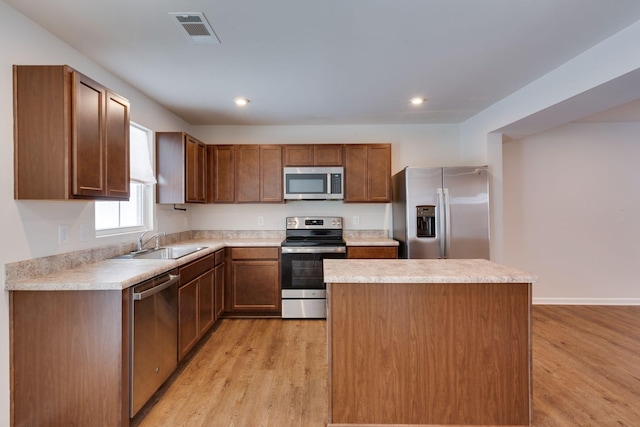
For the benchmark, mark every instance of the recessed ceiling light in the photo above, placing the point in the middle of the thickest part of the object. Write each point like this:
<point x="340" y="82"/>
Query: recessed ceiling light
<point x="241" y="102"/>
<point x="417" y="100"/>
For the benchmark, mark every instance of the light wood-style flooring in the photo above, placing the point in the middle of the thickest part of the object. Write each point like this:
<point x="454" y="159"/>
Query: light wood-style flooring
<point x="271" y="372"/>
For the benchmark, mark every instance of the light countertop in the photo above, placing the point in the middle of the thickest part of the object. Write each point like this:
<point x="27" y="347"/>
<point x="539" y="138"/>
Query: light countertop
<point x="118" y="274"/>
<point x="421" y="271"/>
<point x="370" y="241"/>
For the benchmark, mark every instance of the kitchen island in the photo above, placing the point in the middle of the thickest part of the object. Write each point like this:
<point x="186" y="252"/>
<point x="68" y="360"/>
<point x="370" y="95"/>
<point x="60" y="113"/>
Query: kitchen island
<point x="426" y="342"/>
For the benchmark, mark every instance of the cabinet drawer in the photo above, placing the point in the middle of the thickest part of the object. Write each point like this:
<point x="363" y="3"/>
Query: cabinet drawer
<point x="219" y="255"/>
<point x="255" y="253"/>
<point x="196" y="268"/>
<point x="372" y="252"/>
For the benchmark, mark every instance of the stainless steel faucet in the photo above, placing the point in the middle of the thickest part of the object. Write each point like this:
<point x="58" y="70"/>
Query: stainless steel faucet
<point x="156" y="236"/>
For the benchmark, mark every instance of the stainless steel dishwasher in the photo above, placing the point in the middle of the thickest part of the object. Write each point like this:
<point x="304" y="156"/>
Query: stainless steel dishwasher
<point x="154" y="336"/>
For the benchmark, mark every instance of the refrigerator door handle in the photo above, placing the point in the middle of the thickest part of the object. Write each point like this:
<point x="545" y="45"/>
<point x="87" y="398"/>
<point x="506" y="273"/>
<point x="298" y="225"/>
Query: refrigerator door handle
<point x="440" y="223"/>
<point x="447" y="223"/>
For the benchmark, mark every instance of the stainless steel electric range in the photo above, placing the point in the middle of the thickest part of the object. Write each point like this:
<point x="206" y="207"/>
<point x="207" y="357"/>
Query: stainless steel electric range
<point x="309" y="240"/>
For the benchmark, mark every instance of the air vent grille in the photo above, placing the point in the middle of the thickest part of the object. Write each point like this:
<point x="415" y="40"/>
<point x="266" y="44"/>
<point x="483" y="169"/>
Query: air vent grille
<point x="195" y="27"/>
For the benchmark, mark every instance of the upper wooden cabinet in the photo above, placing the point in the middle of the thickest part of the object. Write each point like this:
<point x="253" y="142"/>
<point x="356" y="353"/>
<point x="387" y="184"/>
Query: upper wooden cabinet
<point x="258" y="174"/>
<point x="181" y="168"/>
<point x="71" y="136"/>
<point x="313" y="155"/>
<point x="367" y="169"/>
<point x="221" y="172"/>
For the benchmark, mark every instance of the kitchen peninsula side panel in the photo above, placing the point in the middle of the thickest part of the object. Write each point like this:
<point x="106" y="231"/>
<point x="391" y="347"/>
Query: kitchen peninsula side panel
<point x="429" y="354"/>
<point x="69" y="358"/>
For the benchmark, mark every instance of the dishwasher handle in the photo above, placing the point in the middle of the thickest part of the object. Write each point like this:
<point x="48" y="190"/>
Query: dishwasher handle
<point x="173" y="279"/>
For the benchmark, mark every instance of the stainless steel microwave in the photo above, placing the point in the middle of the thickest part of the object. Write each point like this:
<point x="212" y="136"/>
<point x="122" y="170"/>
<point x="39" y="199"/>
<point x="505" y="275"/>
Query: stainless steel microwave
<point x="314" y="183"/>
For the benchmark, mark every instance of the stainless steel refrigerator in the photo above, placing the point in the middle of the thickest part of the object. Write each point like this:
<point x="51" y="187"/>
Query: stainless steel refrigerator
<point x="441" y="212"/>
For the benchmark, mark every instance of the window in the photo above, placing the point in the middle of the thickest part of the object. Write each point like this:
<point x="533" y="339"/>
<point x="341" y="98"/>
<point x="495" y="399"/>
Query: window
<point x="136" y="214"/>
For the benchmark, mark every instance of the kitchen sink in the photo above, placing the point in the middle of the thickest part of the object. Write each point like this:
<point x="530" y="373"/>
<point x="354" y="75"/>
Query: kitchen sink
<point x="168" y="252"/>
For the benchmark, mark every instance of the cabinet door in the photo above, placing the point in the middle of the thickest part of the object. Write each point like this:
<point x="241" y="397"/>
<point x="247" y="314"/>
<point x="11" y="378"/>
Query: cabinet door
<point x="87" y="139"/>
<point x="355" y="173"/>
<point x="298" y="155"/>
<point x="255" y="285"/>
<point x="187" y="317"/>
<point x="327" y="155"/>
<point x="219" y="290"/>
<point x="367" y="173"/>
<point x="247" y="173"/>
<point x="206" y="294"/>
<point x="271" y="186"/>
<point x="379" y="173"/>
<point x="221" y="171"/>
<point x="195" y="170"/>
<point x="117" y="146"/>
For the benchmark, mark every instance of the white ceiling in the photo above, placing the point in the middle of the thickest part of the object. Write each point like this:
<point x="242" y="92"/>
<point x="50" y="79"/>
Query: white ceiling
<point x="332" y="61"/>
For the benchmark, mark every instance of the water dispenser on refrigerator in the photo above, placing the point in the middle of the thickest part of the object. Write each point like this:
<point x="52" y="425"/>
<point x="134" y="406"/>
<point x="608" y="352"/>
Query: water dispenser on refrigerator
<point x="426" y="221"/>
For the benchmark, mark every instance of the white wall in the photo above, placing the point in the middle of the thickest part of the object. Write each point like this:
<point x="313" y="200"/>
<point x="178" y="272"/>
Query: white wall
<point x="412" y="145"/>
<point x="29" y="228"/>
<point x="572" y="212"/>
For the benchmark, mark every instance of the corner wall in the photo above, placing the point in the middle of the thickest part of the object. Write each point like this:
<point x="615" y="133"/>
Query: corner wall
<point x="572" y="210"/>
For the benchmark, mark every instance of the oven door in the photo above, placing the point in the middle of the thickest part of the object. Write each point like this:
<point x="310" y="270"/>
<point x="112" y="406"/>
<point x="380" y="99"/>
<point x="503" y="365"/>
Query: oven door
<point x="301" y="268"/>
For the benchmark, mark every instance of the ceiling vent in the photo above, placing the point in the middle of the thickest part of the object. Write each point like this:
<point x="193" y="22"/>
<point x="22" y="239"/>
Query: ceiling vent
<point x="195" y="27"/>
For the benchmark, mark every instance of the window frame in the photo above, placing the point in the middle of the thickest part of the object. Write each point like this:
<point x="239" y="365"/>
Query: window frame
<point x="147" y="200"/>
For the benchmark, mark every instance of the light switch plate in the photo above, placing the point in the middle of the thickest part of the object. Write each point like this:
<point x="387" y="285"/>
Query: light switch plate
<point x="63" y="234"/>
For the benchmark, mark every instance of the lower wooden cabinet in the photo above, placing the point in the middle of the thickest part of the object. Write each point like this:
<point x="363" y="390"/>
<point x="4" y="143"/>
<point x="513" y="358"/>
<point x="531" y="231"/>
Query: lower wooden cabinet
<point x="206" y="294"/>
<point x="69" y="358"/>
<point x="195" y="302"/>
<point x="255" y="282"/>
<point x="187" y="317"/>
<point x="368" y="252"/>
<point x="219" y="284"/>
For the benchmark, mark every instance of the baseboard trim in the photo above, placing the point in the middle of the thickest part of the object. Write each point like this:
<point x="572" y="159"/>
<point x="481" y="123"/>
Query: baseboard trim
<point x="586" y="301"/>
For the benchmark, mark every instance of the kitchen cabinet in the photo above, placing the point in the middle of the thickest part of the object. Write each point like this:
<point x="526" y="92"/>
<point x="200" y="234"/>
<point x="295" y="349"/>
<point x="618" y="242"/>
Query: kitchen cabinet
<point x="71" y="136"/>
<point x="219" y="283"/>
<point x="367" y="170"/>
<point x="313" y="155"/>
<point x="372" y="252"/>
<point x="195" y="302"/>
<point x="70" y="358"/>
<point x="255" y="281"/>
<point x="180" y="168"/>
<point x="439" y="334"/>
<point x="258" y="174"/>
<point x="221" y="174"/>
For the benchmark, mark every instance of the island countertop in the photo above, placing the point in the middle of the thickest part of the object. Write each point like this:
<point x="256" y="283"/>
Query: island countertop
<point x="421" y="271"/>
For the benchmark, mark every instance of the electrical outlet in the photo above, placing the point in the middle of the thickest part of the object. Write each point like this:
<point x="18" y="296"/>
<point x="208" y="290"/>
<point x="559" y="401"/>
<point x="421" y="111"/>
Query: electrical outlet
<point x="63" y="234"/>
<point x="260" y="220"/>
<point x="356" y="220"/>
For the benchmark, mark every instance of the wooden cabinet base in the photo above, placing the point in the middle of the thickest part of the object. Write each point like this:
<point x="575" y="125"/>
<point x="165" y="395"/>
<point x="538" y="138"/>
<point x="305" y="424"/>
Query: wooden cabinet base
<point x="69" y="358"/>
<point x="429" y="354"/>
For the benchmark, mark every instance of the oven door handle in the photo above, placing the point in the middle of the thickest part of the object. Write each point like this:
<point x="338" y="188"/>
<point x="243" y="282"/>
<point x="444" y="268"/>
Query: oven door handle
<point x="314" y="250"/>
